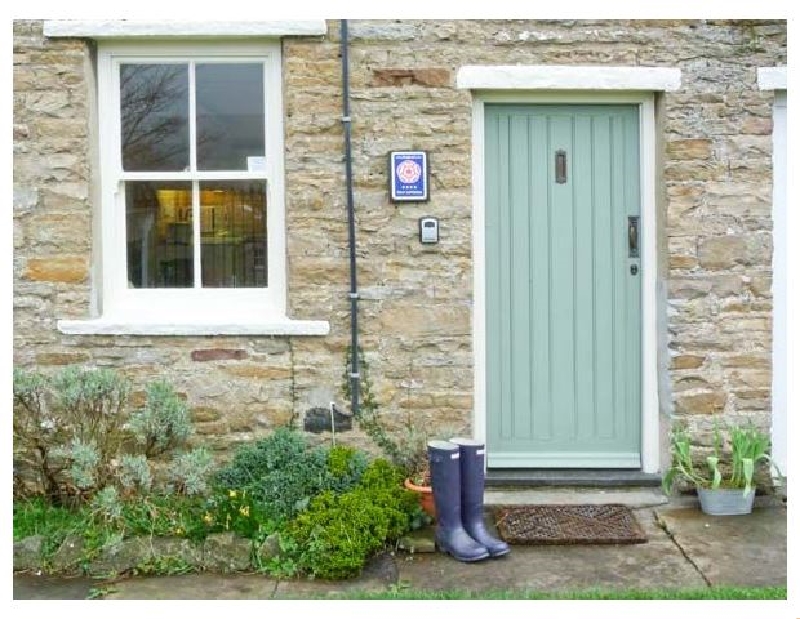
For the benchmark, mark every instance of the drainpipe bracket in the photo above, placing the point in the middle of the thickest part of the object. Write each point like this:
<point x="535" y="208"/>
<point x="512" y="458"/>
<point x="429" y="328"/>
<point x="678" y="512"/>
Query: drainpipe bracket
<point x="356" y="375"/>
<point x="346" y="119"/>
<point x="354" y="295"/>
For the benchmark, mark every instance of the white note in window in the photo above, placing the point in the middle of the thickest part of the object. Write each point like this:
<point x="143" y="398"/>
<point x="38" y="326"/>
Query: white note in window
<point x="256" y="164"/>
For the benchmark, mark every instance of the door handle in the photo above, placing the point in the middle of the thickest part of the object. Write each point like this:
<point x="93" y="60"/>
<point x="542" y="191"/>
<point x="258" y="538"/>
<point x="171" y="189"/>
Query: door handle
<point x="633" y="237"/>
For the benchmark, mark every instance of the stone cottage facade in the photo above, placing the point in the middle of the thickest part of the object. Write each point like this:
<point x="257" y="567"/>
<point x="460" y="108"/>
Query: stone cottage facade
<point x="711" y="236"/>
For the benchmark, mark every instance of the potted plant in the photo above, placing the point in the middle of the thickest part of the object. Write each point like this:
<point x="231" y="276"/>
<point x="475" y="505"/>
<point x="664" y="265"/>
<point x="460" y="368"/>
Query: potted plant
<point x="408" y="451"/>
<point x="724" y="483"/>
<point x="411" y="455"/>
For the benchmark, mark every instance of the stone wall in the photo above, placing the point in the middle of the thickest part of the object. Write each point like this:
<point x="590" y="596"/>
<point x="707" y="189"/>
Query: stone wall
<point x="416" y="302"/>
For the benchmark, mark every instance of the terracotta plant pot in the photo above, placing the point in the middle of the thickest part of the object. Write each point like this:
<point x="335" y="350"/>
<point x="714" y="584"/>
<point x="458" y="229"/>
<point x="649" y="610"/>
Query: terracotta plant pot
<point x="425" y="497"/>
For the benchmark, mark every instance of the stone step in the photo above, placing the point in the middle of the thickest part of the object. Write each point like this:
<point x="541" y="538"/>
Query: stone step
<point x="418" y="541"/>
<point x="601" y="479"/>
<point x="550" y="495"/>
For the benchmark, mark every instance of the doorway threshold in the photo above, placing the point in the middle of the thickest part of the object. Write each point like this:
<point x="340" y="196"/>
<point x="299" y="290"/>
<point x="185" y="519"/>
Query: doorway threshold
<point x="633" y="497"/>
<point x="590" y="478"/>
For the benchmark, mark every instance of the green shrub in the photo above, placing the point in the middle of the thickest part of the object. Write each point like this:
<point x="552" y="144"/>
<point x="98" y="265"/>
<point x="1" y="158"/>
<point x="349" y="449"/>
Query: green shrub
<point x="345" y="467"/>
<point x="109" y="519"/>
<point x="338" y="532"/>
<point x="163" y="424"/>
<point x="71" y="430"/>
<point x="134" y="473"/>
<point x="381" y="474"/>
<point x="165" y="516"/>
<point x="282" y="473"/>
<point x="235" y="510"/>
<point x="279" y="472"/>
<point x="189" y="472"/>
<point x="83" y="460"/>
<point x="68" y="427"/>
<point x="251" y="462"/>
<point x="106" y="507"/>
<point x="91" y="403"/>
<point x="37" y="516"/>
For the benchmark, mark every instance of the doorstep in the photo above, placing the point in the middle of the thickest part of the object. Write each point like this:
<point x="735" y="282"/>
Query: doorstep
<point x="598" y="478"/>
<point x="633" y="497"/>
<point x="573" y="486"/>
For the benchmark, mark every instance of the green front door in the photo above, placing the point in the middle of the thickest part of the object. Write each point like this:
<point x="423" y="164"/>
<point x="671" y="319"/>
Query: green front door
<point x="563" y="286"/>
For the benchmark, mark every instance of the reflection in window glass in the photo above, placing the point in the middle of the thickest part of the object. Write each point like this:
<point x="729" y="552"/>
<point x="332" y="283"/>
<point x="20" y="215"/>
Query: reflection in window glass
<point x="159" y="234"/>
<point x="233" y="228"/>
<point x="230" y="115"/>
<point x="154" y="112"/>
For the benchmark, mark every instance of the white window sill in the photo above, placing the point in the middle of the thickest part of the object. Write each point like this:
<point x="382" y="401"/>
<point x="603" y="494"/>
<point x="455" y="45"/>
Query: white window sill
<point x="107" y="326"/>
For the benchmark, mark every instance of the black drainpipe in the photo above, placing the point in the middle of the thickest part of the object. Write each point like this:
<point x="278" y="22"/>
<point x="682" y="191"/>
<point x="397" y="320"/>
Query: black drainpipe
<point x="351" y="228"/>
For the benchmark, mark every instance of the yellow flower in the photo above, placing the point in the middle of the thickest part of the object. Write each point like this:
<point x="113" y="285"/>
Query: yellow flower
<point x="244" y="510"/>
<point x="208" y="518"/>
<point x="178" y="531"/>
<point x="232" y="494"/>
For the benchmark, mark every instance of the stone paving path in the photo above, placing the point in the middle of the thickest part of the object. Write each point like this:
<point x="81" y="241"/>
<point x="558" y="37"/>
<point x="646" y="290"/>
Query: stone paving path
<point x="685" y="549"/>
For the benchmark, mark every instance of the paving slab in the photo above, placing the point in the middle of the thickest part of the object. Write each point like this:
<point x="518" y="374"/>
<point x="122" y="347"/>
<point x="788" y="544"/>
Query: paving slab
<point x="378" y="574"/>
<point x="745" y="550"/>
<point x="685" y="549"/>
<point x="659" y="563"/>
<point x="205" y="586"/>
<point x="32" y="587"/>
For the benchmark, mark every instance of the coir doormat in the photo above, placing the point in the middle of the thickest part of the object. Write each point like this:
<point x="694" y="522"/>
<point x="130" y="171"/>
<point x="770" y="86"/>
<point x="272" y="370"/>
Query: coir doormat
<point x="568" y="524"/>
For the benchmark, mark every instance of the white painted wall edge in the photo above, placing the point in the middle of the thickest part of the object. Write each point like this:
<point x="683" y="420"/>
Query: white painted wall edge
<point x="132" y="28"/>
<point x="111" y="327"/>
<point x="558" y="77"/>
<point x="771" y="78"/>
<point x="780" y="298"/>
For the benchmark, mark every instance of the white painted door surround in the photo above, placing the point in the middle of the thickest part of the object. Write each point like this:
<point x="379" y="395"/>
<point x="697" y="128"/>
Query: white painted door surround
<point x="572" y="84"/>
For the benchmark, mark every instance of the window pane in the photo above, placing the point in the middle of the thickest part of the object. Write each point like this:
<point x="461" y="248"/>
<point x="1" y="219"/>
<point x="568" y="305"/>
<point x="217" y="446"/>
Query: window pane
<point x="159" y="234"/>
<point x="155" y="117"/>
<point x="230" y="115"/>
<point x="233" y="225"/>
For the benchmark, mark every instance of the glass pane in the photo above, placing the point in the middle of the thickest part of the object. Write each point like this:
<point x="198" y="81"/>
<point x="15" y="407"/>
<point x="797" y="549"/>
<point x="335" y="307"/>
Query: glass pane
<point x="154" y="101"/>
<point x="233" y="227"/>
<point x="230" y="115"/>
<point x="159" y="234"/>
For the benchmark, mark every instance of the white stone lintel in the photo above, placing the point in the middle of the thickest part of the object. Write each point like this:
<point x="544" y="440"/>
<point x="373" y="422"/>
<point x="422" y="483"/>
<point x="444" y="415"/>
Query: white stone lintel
<point x="113" y="28"/>
<point x="104" y="326"/>
<point x="771" y="78"/>
<point x="564" y="77"/>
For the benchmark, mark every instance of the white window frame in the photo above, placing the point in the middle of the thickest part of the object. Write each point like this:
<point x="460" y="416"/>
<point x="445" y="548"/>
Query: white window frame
<point x="188" y="311"/>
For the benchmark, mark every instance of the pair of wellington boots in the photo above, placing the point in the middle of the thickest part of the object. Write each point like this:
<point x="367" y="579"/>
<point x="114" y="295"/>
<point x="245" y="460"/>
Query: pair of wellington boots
<point x="457" y="480"/>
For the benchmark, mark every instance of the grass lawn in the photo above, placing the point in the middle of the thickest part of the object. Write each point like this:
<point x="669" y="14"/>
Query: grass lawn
<point x="715" y="593"/>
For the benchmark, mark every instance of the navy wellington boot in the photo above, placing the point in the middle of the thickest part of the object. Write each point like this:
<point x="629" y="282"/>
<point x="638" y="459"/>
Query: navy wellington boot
<point x="472" y="482"/>
<point x="446" y="484"/>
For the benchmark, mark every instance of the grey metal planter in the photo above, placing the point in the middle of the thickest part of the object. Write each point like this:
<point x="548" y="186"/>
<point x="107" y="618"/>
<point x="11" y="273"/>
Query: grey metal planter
<point x="724" y="502"/>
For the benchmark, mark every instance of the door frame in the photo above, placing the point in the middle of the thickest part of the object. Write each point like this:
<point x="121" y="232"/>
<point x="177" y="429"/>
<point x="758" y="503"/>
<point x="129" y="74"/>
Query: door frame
<point x="779" y="285"/>
<point x="774" y="78"/>
<point x="645" y="101"/>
